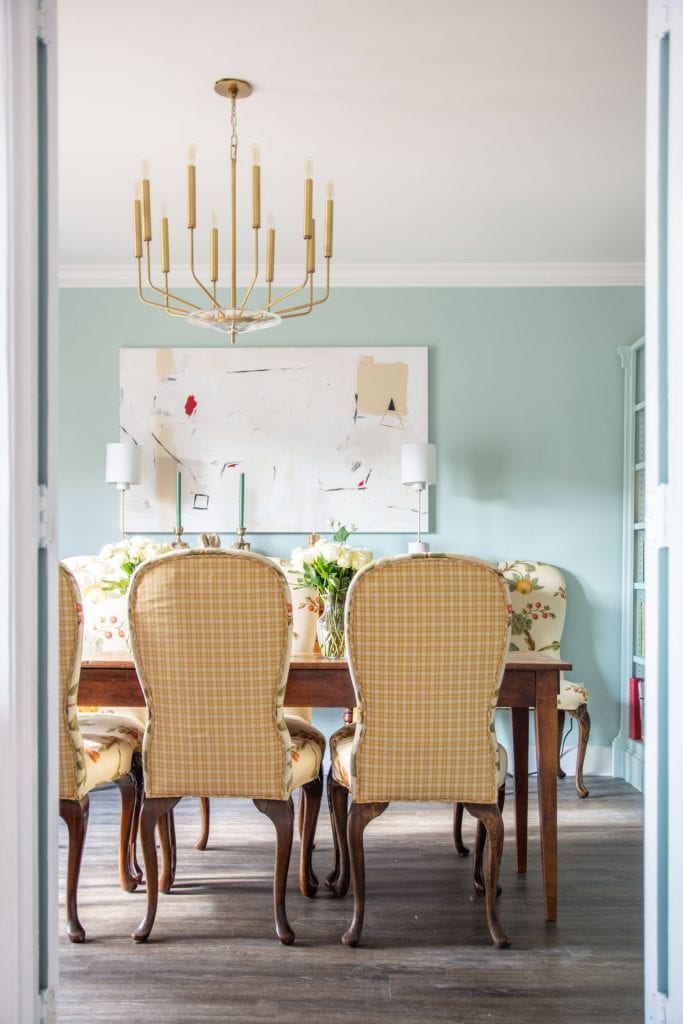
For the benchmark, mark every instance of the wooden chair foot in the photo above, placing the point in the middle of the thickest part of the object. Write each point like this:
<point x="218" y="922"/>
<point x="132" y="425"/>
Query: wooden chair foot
<point x="75" y="815"/>
<point x="281" y="813"/>
<point x="461" y="849"/>
<point x="490" y="817"/>
<point x="310" y="798"/>
<point x="205" y="811"/>
<point x="153" y="809"/>
<point x="360" y="816"/>
<point x="584" y="723"/>
<point x="338" y="879"/>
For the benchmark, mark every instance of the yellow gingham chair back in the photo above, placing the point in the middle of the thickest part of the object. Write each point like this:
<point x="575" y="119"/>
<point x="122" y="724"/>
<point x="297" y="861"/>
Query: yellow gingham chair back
<point x="210" y="633"/>
<point x="426" y="640"/>
<point x="71" y="750"/>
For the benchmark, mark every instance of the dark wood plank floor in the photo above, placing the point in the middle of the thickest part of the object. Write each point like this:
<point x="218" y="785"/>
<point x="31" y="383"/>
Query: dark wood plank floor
<point x="425" y="955"/>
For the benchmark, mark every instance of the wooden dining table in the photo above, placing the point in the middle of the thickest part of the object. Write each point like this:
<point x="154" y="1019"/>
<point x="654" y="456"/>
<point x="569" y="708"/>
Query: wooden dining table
<point x="531" y="680"/>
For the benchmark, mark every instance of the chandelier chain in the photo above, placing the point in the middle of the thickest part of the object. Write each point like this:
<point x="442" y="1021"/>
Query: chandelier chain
<point x="233" y="127"/>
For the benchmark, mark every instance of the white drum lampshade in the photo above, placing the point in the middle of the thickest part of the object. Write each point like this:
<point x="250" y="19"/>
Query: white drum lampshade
<point x="123" y="468"/>
<point x="418" y="464"/>
<point x="418" y="469"/>
<point x="124" y="464"/>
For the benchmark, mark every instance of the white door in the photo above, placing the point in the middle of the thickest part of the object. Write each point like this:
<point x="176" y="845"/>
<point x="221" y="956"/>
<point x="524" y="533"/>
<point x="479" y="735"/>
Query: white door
<point x="664" y="557"/>
<point x="28" y="559"/>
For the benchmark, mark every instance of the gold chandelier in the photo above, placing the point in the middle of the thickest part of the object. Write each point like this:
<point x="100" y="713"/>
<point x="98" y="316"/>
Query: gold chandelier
<point x="236" y="318"/>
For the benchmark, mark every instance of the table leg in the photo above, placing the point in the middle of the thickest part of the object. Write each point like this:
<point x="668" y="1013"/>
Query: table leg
<point x="520" y="748"/>
<point x="546" y="747"/>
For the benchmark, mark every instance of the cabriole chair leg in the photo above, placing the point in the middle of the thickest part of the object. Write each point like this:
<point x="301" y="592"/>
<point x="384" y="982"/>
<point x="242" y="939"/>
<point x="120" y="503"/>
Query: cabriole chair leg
<point x="75" y="814"/>
<point x="584" y="723"/>
<point x="490" y="817"/>
<point x="360" y="817"/>
<point x="338" y="880"/>
<point x="205" y="811"/>
<point x="281" y="813"/>
<point x="310" y="797"/>
<point x="153" y="809"/>
<point x="127" y="788"/>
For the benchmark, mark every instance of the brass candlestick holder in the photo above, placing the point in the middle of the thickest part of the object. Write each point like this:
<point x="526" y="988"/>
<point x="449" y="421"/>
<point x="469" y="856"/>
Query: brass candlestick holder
<point x="179" y="542"/>
<point x="241" y="544"/>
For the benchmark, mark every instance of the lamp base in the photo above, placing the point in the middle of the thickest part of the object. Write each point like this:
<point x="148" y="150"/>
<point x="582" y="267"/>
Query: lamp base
<point x="418" y="547"/>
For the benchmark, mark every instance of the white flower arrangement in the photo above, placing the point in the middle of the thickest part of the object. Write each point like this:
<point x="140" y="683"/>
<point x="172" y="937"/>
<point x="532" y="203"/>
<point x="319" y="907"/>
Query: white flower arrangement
<point x="328" y="566"/>
<point x="121" y="559"/>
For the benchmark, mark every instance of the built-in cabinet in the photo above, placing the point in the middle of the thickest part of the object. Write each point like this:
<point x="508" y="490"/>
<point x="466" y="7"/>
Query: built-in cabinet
<point x="628" y="752"/>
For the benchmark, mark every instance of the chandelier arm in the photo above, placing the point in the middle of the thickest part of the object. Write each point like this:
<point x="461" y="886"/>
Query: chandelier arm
<point x="167" y="295"/>
<point x="255" y="277"/>
<point x="203" y="287"/>
<point x="285" y="295"/>
<point x="148" y="302"/>
<point x="308" y="306"/>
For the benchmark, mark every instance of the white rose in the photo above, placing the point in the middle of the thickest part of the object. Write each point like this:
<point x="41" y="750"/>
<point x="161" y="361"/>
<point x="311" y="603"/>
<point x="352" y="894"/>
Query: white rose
<point x="345" y="559"/>
<point x="361" y="557"/>
<point x="301" y="557"/>
<point x="329" y="550"/>
<point x="106" y="552"/>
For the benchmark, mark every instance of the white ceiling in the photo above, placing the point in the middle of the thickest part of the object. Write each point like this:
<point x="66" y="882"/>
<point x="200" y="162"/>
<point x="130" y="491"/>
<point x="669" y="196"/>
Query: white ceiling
<point x="456" y="131"/>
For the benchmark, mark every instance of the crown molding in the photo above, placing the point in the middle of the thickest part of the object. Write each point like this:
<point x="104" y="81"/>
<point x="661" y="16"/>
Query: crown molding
<point x="398" y="275"/>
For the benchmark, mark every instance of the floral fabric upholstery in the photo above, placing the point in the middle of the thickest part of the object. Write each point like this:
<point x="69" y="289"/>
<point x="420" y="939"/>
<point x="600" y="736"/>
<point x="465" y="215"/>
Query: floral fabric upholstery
<point x="427" y="636"/>
<point x="104" y="750"/>
<point x="538" y="594"/>
<point x="105" y="613"/>
<point x="305" y="611"/>
<point x="211" y="633"/>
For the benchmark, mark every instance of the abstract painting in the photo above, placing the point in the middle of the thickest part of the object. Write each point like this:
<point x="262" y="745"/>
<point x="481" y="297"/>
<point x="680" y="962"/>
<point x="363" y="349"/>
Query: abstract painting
<point x="317" y="433"/>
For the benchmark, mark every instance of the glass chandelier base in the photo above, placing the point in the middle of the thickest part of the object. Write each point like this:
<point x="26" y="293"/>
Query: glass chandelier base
<point x="234" y="321"/>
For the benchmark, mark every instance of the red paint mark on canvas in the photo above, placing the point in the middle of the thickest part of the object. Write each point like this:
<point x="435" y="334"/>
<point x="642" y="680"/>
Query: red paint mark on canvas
<point x="190" y="405"/>
<point x="361" y="484"/>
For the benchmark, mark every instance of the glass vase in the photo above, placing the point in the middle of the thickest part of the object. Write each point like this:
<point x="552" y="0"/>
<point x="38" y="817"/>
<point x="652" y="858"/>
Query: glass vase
<point x="330" y="628"/>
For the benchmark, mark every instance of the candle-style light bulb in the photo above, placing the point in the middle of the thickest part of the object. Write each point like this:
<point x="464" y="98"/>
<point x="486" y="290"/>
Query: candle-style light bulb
<point x="256" y="153"/>
<point x="191" y="153"/>
<point x="145" y="169"/>
<point x="330" y="190"/>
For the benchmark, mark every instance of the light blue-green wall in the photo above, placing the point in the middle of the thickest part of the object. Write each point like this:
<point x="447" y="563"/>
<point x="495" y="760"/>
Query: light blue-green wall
<point x="526" y="408"/>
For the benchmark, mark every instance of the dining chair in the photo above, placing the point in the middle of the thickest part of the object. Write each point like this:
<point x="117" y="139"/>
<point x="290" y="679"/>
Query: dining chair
<point x="94" y="749"/>
<point x="538" y="593"/>
<point x="426" y="640"/>
<point x="211" y="638"/>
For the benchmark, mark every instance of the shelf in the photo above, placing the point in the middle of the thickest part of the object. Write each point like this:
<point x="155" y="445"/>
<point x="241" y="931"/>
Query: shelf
<point x="639" y="586"/>
<point x="638" y="406"/>
<point x="637" y="660"/>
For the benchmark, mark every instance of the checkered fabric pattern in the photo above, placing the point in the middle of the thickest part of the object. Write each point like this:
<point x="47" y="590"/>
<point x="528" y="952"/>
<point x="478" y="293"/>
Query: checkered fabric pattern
<point x="211" y="632"/>
<point x="72" y="768"/>
<point x="538" y="594"/>
<point x="427" y="637"/>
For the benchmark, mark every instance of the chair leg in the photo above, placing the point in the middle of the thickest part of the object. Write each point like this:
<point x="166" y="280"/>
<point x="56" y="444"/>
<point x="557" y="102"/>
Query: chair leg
<point x="338" y="880"/>
<point x="281" y="813"/>
<point x="561" y="774"/>
<point x="205" y="811"/>
<point x="460" y="847"/>
<point x="153" y="809"/>
<point x="478" y="873"/>
<point x="75" y="814"/>
<point x="584" y="722"/>
<point x="136" y="769"/>
<point x="310" y="797"/>
<point x="127" y="788"/>
<point x="360" y="816"/>
<point x="490" y="817"/>
<point x="167" y="845"/>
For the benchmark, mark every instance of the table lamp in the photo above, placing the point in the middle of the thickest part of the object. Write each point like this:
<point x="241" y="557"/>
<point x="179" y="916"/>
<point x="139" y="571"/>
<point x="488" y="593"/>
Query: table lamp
<point x="418" y="469"/>
<point x="123" y="468"/>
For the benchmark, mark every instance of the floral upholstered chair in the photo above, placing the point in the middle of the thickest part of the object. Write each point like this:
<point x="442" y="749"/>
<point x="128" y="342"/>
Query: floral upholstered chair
<point x="538" y="594"/>
<point x="426" y="669"/>
<point x="211" y="637"/>
<point x="93" y="749"/>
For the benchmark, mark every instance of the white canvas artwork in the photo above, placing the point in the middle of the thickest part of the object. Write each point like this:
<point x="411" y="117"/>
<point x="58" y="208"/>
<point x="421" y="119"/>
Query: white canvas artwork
<point x="317" y="433"/>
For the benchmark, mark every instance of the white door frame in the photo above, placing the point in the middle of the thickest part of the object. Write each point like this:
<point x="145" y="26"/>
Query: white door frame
<point x="664" y="496"/>
<point x="28" y="776"/>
